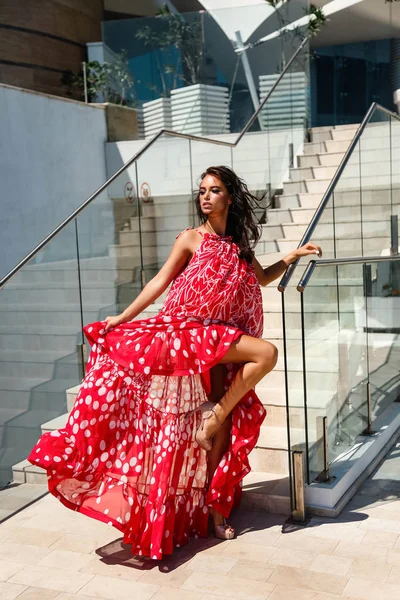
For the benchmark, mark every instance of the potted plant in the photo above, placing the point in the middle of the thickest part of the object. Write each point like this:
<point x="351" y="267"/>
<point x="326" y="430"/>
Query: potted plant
<point x="112" y="84"/>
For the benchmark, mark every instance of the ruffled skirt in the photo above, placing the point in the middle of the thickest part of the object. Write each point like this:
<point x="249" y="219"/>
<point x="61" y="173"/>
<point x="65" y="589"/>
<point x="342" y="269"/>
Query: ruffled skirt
<point x="127" y="455"/>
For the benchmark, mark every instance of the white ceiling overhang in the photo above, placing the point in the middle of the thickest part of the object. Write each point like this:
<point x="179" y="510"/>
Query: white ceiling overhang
<point x="241" y="15"/>
<point x="330" y="8"/>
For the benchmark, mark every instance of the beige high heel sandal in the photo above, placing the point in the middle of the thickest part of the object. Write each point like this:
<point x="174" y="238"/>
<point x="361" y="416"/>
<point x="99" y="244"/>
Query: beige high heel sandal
<point x="201" y="439"/>
<point x="224" y="531"/>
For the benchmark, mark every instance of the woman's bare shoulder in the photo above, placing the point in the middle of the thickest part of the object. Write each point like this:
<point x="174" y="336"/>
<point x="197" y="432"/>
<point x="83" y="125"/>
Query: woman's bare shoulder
<point x="189" y="238"/>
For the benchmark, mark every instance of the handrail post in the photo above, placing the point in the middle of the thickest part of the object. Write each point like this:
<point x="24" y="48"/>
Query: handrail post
<point x="368" y="429"/>
<point x="299" y="513"/>
<point x="394" y="234"/>
<point x="323" y="450"/>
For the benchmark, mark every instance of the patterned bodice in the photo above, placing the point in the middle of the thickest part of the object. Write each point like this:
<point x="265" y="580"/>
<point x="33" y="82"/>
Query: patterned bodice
<point x="217" y="284"/>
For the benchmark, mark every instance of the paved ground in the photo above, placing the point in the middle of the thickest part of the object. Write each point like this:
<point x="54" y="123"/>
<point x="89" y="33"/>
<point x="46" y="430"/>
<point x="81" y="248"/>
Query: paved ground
<point x="48" y="552"/>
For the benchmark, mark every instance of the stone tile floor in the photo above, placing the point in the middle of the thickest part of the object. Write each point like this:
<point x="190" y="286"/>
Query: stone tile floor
<point x="48" y="552"/>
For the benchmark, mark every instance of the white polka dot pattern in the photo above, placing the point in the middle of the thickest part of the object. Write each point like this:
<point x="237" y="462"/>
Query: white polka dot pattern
<point x="127" y="455"/>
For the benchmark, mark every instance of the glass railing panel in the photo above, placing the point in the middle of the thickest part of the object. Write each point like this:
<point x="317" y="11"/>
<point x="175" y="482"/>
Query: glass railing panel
<point x="39" y="357"/>
<point x="382" y="322"/>
<point x="284" y="118"/>
<point x="288" y="374"/>
<point x="165" y="198"/>
<point x="395" y="170"/>
<point x="204" y="155"/>
<point x="375" y="178"/>
<point x="356" y="220"/>
<point x="251" y="160"/>
<point x="109" y="257"/>
<point x="339" y="231"/>
<point x="336" y="362"/>
<point x="188" y="69"/>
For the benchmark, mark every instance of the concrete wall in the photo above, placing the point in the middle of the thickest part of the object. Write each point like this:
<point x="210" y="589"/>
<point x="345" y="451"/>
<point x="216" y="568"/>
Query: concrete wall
<point x="51" y="160"/>
<point x="44" y="39"/>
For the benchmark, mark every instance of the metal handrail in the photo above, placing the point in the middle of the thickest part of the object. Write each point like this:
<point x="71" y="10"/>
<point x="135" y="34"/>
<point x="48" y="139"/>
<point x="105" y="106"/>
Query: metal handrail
<point x="326" y="197"/>
<point x="329" y="262"/>
<point x="136" y="156"/>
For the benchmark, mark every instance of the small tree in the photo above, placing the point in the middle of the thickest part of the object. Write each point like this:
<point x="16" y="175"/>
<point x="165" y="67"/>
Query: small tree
<point x="316" y="21"/>
<point x="112" y="81"/>
<point x="183" y="64"/>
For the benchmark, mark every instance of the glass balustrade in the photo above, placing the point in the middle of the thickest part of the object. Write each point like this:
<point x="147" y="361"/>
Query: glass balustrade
<point x="357" y="219"/>
<point x="97" y="264"/>
<point x="41" y="323"/>
<point x="350" y="317"/>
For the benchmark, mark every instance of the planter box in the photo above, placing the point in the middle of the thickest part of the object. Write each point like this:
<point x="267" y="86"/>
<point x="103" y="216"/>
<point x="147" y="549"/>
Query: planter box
<point x="156" y="116"/>
<point x="200" y="109"/>
<point x="288" y="105"/>
<point x="123" y="123"/>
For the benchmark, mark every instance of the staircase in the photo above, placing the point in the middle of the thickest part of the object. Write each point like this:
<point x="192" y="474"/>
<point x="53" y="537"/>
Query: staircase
<point x="267" y="486"/>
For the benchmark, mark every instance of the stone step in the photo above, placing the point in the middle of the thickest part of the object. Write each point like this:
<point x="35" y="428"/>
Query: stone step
<point x="41" y="370"/>
<point x="266" y="491"/>
<point x="346" y="214"/>
<point x="326" y="147"/>
<point x="133" y="252"/>
<point x="343" y="126"/>
<point x="298" y="201"/>
<point x="318" y="172"/>
<point x="58" y="294"/>
<point x="25" y="472"/>
<point x="324" y="229"/>
<point x="311" y="186"/>
<point x="382" y="196"/>
<point x="345" y="247"/>
<point x="332" y="159"/>
<point x="331" y="134"/>
<point x="276" y="216"/>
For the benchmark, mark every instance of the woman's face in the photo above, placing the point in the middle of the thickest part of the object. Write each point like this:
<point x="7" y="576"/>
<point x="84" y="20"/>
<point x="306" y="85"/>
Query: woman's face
<point x="214" y="197"/>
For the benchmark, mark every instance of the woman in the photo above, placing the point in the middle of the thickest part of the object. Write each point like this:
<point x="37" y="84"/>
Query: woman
<point x="166" y="416"/>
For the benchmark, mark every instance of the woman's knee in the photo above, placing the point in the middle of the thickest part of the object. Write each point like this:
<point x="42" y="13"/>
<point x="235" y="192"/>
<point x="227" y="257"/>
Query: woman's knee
<point x="269" y="356"/>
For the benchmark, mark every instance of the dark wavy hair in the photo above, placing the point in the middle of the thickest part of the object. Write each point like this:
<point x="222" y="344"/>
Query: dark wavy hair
<point x="242" y="222"/>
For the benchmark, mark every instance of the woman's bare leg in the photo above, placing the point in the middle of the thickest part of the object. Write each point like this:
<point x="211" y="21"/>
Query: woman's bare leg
<point x="221" y="438"/>
<point x="258" y="358"/>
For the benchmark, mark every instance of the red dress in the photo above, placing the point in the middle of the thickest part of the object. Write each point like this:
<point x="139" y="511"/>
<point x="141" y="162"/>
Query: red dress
<point x="127" y="455"/>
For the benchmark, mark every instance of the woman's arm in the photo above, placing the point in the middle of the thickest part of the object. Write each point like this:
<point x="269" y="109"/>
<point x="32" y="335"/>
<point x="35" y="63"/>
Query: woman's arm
<point x="182" y="250"/>
<point x="269" y="274"/>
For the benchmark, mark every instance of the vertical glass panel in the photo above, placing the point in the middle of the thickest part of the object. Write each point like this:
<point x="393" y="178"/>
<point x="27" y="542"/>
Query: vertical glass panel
<point x="383" y="329"/>
<point x="39" y="360"/>
<point x="165" y="198"/>
<point x="357" y="217"/>
<point x="106" y="276"/>
<point x="336" y="361"/>
<point x="395" y="170"/>
<point x="251" y="161"/>
<point x="204" y="155"/>
<point x="295" y="397"/>
<point x="338" y="231"/>
<point x="127" y="233"/>
<point x="285" y="117"/>
<point x="375" y="169"/>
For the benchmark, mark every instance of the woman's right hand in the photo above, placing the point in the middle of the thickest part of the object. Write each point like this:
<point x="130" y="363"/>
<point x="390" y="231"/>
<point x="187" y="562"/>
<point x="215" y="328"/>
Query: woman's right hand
<point x="113" y="322"/>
